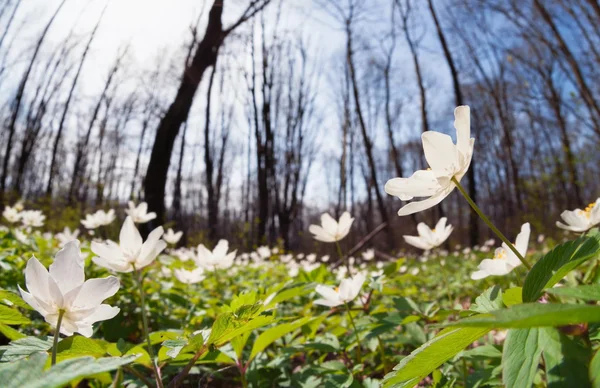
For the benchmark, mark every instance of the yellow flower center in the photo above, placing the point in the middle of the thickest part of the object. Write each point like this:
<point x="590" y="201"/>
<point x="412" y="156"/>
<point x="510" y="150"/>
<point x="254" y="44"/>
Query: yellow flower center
<point x="588" y="210"/>
<point x="500" y="254"/>
<point x="433" y="230"/>
<point x="337" y="289"/>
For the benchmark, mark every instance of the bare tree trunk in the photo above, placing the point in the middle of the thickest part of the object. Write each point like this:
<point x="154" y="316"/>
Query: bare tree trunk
<point x="213" y="216"/>
<point x="168" y="129"/>
<point x="458" y="100"/>
<point x="177" y="208"/>
<point x="584" y="88"/>
<point x="61" y="124"/>
<point x="9" y="22"/>
<point x="367" y="141"/>
<point x="19" y="98"/>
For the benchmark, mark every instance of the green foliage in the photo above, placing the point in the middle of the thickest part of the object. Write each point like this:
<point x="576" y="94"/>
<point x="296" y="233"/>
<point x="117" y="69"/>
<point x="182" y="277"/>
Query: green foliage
<point x="533" y="315"/>
<point x="420" y="323"/>
<point x="558" y="262"/>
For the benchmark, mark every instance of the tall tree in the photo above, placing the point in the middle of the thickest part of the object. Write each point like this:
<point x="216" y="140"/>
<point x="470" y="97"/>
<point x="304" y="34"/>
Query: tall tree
<point x="177" y="113"/>
<point x="16" y="105"/>
<point x="458" y="100"/>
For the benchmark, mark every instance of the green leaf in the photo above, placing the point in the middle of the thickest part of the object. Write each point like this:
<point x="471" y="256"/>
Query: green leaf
<point x="587" y="292"/>
<point x="24" y="347"/>
<point x="520" y="358"/>
<point x="566" y="360"/>
<point x="490" y="300"/>
<point x="77" y="346"/>
<point x="10" y="316"/>
<point x="513" y="296"/>
<point x="290" y="292"/>
<point x="431" y="355"/>
<point x="273" y="334"/>
<point x="30" y="373"/>
<point x="595" y="370"/>
<point x="533" y="315"/>
<point x="11" y="333"/>
<point x="13" y="299"/>
<point x="558" y="262"/>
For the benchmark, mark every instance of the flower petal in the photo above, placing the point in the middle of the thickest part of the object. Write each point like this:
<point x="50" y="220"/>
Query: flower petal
<point x="422" y="183"/>
<point x="462" y="123"/>
<point x="130" y="238"/>
<point x="417" y="206"/>
<point x="67" y="269"/>
<point x="441" y="153"/>
<point x="94" y="291"/>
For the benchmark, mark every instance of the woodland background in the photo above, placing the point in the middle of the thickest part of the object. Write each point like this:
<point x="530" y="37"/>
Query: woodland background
<point x="267" y="113"/>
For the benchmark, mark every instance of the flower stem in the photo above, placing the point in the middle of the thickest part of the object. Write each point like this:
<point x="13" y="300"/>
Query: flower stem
<point x="343" y="258"/>
<point x="57" y="335"/>
<point x="140" y="282"/>
<point x="489" y="223"/>
<point x="217" y="279"/>
<point x="358" y="352"/>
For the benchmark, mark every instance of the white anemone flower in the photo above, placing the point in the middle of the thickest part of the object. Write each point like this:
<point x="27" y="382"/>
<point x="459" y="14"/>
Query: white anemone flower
<point x="331" y="230"/>
<point x="139" y="213"/>
<point x="264" y="252"/>
<point x="504" y="260"/>
<point x="66" y="236"/>
<point x="446" y="161"/>
<point x="132" y="253"/>
<point x="346" y="292"/>
<point x="11" y="214"/>
<point x="368" y="254"/>
<point x="64" y="289"/>
<point x="430" y="238"/>
<point x="99" y="218"/>
<point x="581" y="220"/>
<point x="32" y="218"/>
<point x="218" y="258"/>
<point x="189" y="277"/>
<point x="171" y="237"/>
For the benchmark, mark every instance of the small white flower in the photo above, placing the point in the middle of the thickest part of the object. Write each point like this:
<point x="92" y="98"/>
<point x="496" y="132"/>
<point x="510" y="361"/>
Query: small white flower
<point x="581" y="220"/>
<point x="504" y="260"/>
<point x="171" y="237"/>
<point x="131" y="252"/>
<point x="100" y="218"/>
<point x="190" y="277"/>
<point x="325" y="258"/>
<point x="446" y="159"/>
<point x="430" y="238"/>
<point x="139" y="213"/>
<point x="217" y="258"/>
<point x="184" y="254"/>
<point x="264" y="252"/>
<point x="32" y="218"/>
<point x="403" y="269"/>
<point x="21" y="236"/>
<point x="541" y="238"/>
<point x="11" y="214"/>
<point x="369" y="254"/>
<point x="490" y="243"/>
<point x="286" y="258"/>
<point x="346" y="292"/>
<point x="66" y="236"/>
<point x="65" y="289"/>
<point x="331" y="230"/>
<point x="414" y="271"/>
<point x="311" y="258"/>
